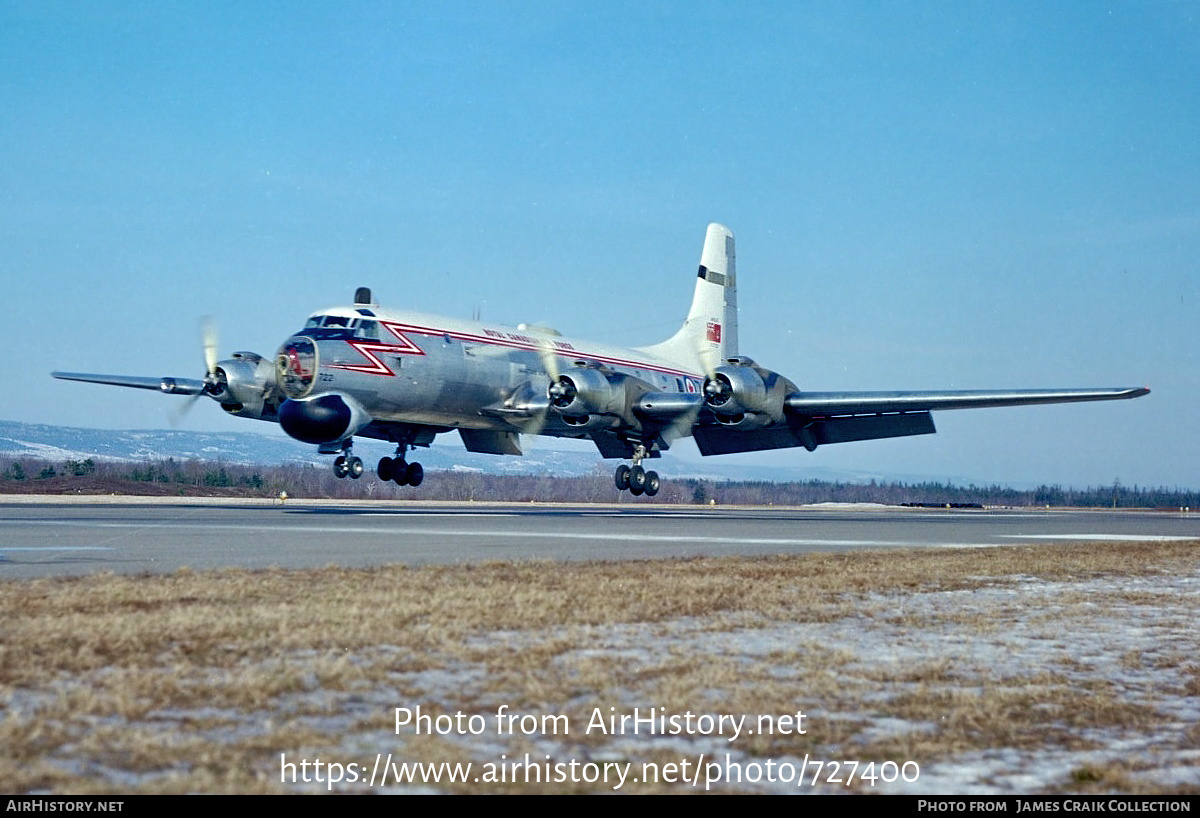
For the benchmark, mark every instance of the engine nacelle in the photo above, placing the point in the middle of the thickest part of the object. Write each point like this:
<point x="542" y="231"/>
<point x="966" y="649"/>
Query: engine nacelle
<point x="583" y="391"/>
<point x="243" y="383"/>
<point x="743" y="395"/>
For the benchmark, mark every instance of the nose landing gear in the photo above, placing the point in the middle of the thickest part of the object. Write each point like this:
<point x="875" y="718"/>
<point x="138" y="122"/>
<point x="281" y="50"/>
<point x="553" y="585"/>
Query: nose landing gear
<point x="635" y="479"/>
<point x="347" y="465"/>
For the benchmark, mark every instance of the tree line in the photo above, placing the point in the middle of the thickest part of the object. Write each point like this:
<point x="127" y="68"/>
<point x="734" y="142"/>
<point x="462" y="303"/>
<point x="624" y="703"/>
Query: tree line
<point x="198" y="477"/>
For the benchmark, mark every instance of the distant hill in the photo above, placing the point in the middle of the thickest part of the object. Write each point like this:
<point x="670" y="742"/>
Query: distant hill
<point x="60" y="443"/>
<point x="56" y="443"/>
<point x="45" y="459"/>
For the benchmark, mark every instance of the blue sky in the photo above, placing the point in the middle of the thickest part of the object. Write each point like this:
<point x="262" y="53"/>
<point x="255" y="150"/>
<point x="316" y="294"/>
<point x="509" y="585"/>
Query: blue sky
<point x="925" y="195"/>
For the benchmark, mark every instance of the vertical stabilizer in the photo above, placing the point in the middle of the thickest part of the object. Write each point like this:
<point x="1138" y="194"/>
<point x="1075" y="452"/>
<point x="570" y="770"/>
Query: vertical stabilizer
<point x="709" y="335"/>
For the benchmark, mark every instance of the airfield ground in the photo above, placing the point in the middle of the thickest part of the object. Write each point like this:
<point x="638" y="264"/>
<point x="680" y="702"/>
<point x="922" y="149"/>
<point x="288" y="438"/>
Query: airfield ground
<point x="1024" y="669"/>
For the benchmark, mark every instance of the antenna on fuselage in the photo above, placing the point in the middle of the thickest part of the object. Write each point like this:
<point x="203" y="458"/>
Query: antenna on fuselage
<point x="362" y="296"/>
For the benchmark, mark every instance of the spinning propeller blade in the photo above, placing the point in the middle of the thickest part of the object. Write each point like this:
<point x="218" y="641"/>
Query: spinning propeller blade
<point x="208" y="340"/>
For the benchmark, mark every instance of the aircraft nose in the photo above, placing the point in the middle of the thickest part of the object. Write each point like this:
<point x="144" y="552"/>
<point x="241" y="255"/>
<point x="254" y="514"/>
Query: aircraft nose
<point x="323" y="419"/>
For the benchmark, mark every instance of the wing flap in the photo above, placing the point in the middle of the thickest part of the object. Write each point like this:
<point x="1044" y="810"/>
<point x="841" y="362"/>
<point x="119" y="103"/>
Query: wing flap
<point x="871" y="427"/>
<point x="812" y="433"/>
<point x="486" y="441"/>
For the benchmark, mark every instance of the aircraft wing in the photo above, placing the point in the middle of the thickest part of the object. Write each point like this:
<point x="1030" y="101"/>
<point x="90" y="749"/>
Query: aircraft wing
<point x="861" y="403"/>
<point x="814" y="419"/>
<point x="171" y="386"/>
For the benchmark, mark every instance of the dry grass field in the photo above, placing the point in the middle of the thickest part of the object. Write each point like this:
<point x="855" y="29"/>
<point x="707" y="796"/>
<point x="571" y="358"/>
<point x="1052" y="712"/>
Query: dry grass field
<point x="1056" y="668"/>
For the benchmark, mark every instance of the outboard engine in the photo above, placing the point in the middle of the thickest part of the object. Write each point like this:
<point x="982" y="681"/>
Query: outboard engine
<point x="244" y="385"/>
<point x="743" y="395"/>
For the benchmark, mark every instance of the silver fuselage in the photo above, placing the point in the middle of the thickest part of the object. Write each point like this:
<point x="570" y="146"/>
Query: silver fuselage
<point x="414" y="368"/>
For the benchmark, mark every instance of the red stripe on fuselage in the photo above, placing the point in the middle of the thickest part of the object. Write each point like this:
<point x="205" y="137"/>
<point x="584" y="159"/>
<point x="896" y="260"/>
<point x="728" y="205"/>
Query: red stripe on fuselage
<point x="368" y="349"/>
<point x="557" y="347"/>
<point x="562" y="349"/>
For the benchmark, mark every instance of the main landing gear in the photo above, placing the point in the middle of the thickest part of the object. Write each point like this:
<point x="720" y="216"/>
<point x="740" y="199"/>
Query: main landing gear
<point x="634" y="478"/>
<point x="399" y="471"/>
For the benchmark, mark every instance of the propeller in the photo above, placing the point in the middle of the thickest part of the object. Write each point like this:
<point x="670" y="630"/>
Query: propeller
<point x="208" y="334"/>
<point x="213" y="382"/>
<point x="549" y="360"/>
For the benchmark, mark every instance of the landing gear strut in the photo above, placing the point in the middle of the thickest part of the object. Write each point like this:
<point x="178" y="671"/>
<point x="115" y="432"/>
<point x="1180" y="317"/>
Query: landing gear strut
<point x="634" y="478"/>
<point x="398" y="471"/>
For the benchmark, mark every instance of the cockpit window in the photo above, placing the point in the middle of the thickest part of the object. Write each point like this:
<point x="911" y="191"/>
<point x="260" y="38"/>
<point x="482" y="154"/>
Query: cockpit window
<point x="340" y="327"/>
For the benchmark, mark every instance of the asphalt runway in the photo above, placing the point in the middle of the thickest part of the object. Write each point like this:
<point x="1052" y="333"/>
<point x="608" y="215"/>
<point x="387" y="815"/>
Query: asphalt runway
<point x="132" y="535"/>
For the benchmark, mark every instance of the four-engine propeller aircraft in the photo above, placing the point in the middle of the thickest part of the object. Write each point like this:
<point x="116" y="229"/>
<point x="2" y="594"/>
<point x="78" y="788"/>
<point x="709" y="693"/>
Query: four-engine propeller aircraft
<point x="406" y="377"/>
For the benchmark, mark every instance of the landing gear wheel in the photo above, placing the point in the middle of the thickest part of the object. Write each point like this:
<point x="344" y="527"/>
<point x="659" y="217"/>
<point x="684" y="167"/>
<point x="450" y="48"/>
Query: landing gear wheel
<point x="621" y="478"/>
<point x="400" y="472"/>
<point x="340" y="468"/>
<point x="355" y="467"/>
<point x="414" y="474"/>
<point x="384" y="469"/>
<point x="652" y="483"/>
<point x="637" y="480"/>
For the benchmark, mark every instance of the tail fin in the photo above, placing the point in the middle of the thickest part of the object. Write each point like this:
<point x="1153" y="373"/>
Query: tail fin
<point x="709" y="335"/>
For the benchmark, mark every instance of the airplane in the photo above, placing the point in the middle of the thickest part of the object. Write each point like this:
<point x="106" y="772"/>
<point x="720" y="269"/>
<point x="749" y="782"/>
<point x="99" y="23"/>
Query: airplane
<point x="406" y="377"/>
